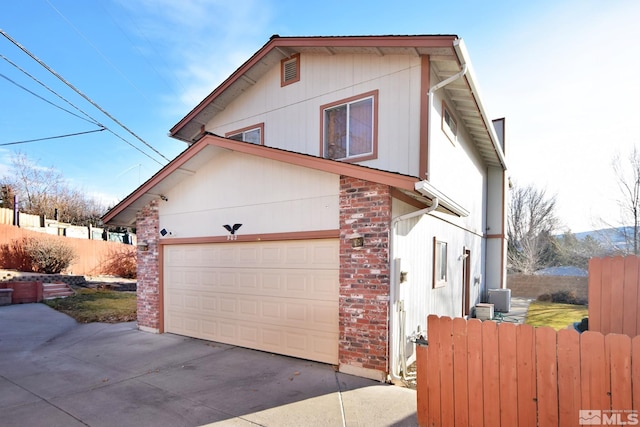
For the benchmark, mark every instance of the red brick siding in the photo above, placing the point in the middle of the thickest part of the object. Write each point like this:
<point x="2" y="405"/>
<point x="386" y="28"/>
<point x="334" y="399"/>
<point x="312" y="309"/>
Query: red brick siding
<point x="365" y="208"/>
<point x="149" y="304"/>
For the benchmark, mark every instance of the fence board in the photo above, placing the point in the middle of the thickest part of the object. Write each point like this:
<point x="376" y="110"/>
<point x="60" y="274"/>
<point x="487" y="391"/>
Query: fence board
<point x="508" y="374"/>
<point x="620" y="362"/>
<point x="595" y="288"/>
<point x="422" y="378"/>
<point x="526" y="370"/>
<point x="447" y="410"/>
<point x="605" y="298"/>
<point x="630" y="297"/>
<point x="474" y="365"/>
<point x="547" y="376"/>
<point x="554" y="374"/>
<point x="617" y="294"/>
<point x="635" y="372"/>
<point x="568" y="377"/>
<point x="490" y="374"/>
<point x="593" y="365"/>
<point x="461" y="372"/>
<point x="433" y="372"/>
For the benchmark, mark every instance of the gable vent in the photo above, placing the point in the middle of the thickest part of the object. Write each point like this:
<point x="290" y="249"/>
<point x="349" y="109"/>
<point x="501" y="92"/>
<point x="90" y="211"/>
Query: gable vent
<point x="290" y="70"/>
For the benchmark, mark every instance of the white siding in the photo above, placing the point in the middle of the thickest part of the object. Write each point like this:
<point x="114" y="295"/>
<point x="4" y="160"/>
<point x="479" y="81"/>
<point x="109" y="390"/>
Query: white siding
<point x="265" y="196"/>
<point x="292" y="113"/>
<point x="414" y="247"/>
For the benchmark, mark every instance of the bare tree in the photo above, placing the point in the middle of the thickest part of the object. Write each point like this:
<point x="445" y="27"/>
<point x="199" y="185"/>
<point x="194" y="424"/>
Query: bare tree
<point x="531" y="224"/>
<point x="44" y="191"/>
<point x="628" y="178"/>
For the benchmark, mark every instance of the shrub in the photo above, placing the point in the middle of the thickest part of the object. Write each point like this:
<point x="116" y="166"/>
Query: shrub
<point x="49" y="256"/>
<point x="562" y="297"/>
<point x="121" y="262"/>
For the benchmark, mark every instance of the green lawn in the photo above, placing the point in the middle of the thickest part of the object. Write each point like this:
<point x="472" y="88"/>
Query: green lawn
<point x="557" y="316"/>
<point x="91" y="305"/>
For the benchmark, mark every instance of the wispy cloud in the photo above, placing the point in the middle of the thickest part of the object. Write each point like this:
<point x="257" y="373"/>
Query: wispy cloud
<point x="203" y="41"/>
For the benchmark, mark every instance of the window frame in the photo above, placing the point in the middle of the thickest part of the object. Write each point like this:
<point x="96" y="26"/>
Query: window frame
<point x="451" y="132"/>
<point x="295" y="57"/>
<point x="259" y="126"/>
<point x="373" y="154"/>
<point x="438" y="281"/>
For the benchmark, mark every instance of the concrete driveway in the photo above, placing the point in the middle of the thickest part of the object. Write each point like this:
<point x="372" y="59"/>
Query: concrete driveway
<point x="56" y="372"/>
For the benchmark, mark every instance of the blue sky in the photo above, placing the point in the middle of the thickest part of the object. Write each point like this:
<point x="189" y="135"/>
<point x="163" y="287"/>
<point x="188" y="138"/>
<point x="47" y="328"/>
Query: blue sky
<point x="562" y="73"/>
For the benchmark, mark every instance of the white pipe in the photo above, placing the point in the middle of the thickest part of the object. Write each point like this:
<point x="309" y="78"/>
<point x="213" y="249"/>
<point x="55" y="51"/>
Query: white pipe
<point x="393" y="336"/>
<point x="430" y="93"/>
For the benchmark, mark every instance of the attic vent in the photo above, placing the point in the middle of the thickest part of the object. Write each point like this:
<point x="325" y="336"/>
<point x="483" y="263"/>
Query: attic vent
<point x="290" y="70"/>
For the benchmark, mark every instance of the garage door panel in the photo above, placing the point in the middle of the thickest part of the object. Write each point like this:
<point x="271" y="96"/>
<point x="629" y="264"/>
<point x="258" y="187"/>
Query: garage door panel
<point x="274" y="296"/>
<point x="311" y="284"/>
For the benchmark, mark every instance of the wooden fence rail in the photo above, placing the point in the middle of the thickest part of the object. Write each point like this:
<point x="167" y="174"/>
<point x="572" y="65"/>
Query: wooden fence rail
<point x="475" y="373"/>
<point x="614" y="295"/>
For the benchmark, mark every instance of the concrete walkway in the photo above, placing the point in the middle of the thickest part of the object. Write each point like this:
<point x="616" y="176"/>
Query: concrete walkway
<point x="56" y="372"/>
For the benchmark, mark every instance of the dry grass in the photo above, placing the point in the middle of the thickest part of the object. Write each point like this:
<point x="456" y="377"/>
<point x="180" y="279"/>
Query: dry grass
<point x="101" y="305"/>
<point x="557" y="316"/>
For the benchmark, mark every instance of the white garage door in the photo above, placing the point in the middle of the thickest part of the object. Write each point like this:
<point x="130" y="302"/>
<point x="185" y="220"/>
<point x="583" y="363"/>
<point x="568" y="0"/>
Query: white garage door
<point x="280" y="296"/>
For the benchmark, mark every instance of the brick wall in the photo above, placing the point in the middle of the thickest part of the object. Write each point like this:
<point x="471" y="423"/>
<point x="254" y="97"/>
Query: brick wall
<point x="149" y="304"/>
<point x="532" y="286"/>
<point x="365" y="209"/>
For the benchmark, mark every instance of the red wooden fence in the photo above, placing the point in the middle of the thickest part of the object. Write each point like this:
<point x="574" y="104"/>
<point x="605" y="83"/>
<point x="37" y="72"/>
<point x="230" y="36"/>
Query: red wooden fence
<point x="614" y="297"/>
<point x="475" y="373"/>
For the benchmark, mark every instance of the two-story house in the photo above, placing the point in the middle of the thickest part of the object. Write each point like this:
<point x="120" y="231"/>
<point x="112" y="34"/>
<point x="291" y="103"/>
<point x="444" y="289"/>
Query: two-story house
<point x="334" y="191"/>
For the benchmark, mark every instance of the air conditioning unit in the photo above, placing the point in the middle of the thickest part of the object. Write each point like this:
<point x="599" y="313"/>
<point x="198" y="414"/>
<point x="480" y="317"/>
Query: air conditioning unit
<point x="501" y="299"/>
<point x="484" y="311"/>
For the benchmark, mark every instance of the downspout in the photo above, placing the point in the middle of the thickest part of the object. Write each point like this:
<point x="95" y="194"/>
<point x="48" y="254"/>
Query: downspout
<point x="430" y="94"/>
<point x="396" y="338"/>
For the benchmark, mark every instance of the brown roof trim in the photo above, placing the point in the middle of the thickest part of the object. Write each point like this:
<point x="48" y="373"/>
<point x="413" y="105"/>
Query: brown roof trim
<point x="333" y="41"/>
<point x="395" y="180"/>
<point x="174" y="165"/>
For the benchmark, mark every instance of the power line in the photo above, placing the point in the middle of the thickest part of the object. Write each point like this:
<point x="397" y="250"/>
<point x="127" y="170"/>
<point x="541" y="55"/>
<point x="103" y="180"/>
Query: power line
<point x="42" y="99"/>
<point x="91" y="119"/>
<point x="53" y="137"/>
<point x="98" y="50"/>
<point x="23" y="71"/>
<point x="32" y="56"/>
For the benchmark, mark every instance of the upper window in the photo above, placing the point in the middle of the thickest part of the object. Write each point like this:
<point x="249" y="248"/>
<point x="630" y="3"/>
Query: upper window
<point x="252" y="134"/>
<point x="349" y="128"/>
<point x="439" y="263"/>
<point x="449" y="125"/>
<point x="290" y="70"/>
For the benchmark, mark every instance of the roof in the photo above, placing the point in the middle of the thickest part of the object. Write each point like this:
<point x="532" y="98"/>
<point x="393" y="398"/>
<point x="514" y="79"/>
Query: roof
<point x="446" y="52"/>
<point x="210" y="145"/>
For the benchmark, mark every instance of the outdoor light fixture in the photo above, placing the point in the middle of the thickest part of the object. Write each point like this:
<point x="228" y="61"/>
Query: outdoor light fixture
<point x="357" y="241"/>
<point x="143" y="246"/>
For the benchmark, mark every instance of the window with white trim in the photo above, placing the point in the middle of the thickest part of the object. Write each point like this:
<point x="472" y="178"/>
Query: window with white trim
<point x="449" y="125"/>
<point x="349" y="128"/>
<point x="440" y="261"/>
<point x="252" y="134"/>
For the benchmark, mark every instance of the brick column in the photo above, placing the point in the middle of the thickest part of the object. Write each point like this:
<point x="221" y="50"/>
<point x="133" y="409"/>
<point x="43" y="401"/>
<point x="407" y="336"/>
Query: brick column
<point x="149" y="304"/>
<point x="365" y="209"/>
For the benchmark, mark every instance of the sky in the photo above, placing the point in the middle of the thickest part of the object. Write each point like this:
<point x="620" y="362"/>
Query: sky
<point x="121" y="73"/>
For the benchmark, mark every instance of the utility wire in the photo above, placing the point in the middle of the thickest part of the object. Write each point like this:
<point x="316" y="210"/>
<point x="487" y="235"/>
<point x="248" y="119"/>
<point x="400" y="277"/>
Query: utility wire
<point x="52" y="137"/>
<point x="91" y="119"/>
<point x="23" y="71"/>
<point x="44" y="99"/>
<point x="98" y="50"/>
<point x="8" y="37"/>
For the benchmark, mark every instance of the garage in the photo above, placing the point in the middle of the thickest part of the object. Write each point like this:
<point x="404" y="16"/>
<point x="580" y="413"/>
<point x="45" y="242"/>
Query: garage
<point x="277" y="296"/>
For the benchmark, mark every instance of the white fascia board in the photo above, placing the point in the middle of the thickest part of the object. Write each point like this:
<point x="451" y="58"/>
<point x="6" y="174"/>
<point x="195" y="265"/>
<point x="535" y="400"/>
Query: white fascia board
<point x="428" y="190"/>
<point x="463" y="57"/>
